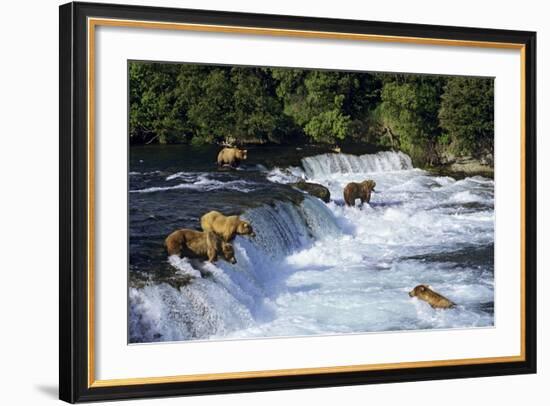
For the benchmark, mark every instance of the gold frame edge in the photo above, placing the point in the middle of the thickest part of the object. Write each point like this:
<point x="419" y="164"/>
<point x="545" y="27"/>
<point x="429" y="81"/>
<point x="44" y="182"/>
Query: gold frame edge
<point x="93" y="22"/>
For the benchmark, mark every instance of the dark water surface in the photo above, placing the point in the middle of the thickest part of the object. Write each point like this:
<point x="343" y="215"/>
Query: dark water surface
<point x="171" y="187"/>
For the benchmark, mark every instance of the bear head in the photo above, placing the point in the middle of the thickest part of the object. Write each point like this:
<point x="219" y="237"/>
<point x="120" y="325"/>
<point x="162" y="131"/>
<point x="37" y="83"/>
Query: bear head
<point x="228" y="253"/>
<point x="369" y="184"/>
<point x="240" y="153"/>
<point x="244" y="228"/>
<point x="419" y="290"/>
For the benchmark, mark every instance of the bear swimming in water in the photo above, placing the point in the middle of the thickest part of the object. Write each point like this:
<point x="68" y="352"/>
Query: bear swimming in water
<point x="434" y="299"/>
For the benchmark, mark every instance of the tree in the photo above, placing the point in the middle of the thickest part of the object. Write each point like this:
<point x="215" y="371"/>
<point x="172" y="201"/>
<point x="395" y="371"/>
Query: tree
<point x="211" y="110"/>
<point x="326" y="105"/>
<point x="467" y="114"/>
<point x="329" y="125"/>
<point x="225" y="104"/>
<point x="258" y="112"/>
<point x="425" y="116"/>
<point x="154" y="113"/>
<point x="409" y="109"/>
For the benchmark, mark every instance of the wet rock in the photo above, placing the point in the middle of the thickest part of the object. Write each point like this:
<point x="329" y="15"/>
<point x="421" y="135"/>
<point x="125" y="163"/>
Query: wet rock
<point x="314" y="189"/>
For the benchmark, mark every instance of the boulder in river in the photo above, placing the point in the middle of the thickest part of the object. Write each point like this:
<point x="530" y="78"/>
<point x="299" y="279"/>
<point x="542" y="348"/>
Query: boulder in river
<point x="314" y="189"/>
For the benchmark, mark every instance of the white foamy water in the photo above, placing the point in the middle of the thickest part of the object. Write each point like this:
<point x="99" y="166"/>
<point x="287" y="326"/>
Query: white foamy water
<point x="193" y="181"/>
<point x="331" y="269"/>
<point x="328" y="164"/>
<point x="183" y="266"/>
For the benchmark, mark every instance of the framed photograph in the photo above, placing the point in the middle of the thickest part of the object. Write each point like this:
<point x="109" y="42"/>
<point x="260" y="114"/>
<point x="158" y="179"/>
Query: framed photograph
<point x="256" y="202"/>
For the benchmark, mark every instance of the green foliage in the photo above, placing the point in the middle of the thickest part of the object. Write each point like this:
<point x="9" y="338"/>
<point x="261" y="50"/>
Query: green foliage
<point x="210" y="105"/>
<point x="467" y="114"/>
<point x="154" y="113"/>
<point x="329" y="125"/>
<point x="410" y="108"/>
<point x="259" y="113"/>
<point x="420" y="114"/>
<point x="328" y="106"/>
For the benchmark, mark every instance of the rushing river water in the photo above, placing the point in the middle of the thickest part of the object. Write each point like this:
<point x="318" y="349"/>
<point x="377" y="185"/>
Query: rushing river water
<point x="313" y="268"/>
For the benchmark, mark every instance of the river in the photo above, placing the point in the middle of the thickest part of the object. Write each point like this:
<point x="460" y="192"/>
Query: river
<point x="313" y="268"/>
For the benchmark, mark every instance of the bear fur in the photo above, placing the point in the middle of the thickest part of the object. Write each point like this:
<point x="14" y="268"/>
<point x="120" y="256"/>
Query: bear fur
<point x="225" y="226"/>
<point x="231" y="156"/>
<point x="361" y="191"/>
<point x="434" y="299"/>
<point x="197" y="244"/>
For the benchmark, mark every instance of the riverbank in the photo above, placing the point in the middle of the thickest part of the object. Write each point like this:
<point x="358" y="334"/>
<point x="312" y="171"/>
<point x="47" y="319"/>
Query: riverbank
<point x="463" y="167"/>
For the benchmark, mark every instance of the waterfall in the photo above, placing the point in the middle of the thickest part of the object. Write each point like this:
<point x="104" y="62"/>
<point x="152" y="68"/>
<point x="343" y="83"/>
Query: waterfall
<point x="326" y="164"/>
<point x="232" y="297"/>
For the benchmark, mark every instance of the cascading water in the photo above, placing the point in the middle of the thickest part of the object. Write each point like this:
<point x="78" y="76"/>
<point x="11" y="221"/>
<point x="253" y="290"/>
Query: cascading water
<point x="325" y="164"/>
<point x="231" y="297"/>
<point x="316" y="268"/>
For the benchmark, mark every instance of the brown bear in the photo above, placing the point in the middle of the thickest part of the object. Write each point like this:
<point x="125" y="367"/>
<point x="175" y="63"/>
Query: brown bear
<point x="231" y="156"/>
<point x="361" y="191"/>
<point x="197" y="244"/>
<point x="434" y="299"/>
<point x="225" y="226"/>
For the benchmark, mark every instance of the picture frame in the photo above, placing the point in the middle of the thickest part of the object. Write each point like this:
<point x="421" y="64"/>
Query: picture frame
<point x="77" y="284"/>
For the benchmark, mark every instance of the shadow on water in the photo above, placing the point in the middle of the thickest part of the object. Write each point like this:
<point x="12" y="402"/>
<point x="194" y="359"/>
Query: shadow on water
<point x="304" y="288"/>
<point x="395" y="203"/>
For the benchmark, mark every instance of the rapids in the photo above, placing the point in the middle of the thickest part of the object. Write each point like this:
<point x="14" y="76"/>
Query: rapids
<point x="313" y="268"/>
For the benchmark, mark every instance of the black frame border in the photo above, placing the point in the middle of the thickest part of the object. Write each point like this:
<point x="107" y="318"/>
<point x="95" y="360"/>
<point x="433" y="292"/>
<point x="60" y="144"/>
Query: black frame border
<point x="73" y="195"/>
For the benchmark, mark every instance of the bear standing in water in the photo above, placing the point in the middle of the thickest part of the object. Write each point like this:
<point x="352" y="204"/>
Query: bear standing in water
<point x="361" y="191"/>
<point x="434" y="299"/>
<point x="225" y="226"/>
<point x="231" y="156"/>
<point x="199" y="244"/>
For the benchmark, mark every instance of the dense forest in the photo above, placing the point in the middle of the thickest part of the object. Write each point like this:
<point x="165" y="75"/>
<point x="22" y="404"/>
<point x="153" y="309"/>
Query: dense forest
<point x="427" y="116"/>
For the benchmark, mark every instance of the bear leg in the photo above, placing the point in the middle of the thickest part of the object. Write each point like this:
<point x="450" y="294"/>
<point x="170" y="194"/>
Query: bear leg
<point x="212" y="254"/>
<point x="173" y="248"/>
